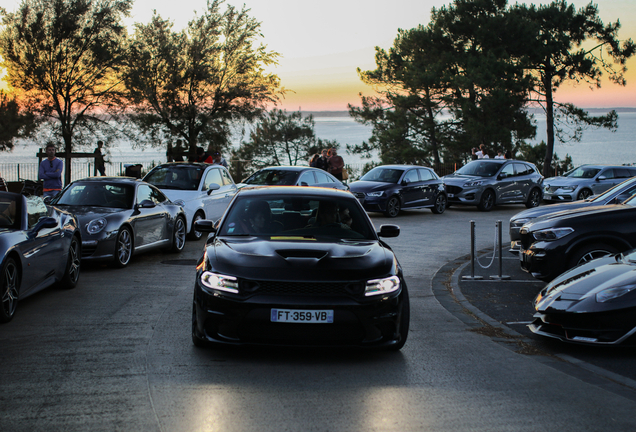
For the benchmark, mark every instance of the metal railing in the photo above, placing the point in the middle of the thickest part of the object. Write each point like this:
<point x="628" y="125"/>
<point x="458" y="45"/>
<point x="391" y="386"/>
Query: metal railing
<point x="12" y="172"/>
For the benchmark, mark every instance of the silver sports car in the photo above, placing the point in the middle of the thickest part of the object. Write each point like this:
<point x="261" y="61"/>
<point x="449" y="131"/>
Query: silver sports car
<point x="39" y="246"/>
<point x="120" y="216"/>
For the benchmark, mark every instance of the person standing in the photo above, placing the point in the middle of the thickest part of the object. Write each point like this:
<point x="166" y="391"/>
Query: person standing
<point x="336" y="164"/>
<point x="178" y="151"/>
<point x="51" y="172"/>
<point x="323" y="160"/>
<point x="100" y="164"/>
<point x="218" y="159"/>
<point x="203" y="156"/>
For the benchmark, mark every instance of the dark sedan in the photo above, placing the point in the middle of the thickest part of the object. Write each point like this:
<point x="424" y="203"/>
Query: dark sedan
<point x="615" y="195"/>
<point x="122" y="216"/>
<point x="594" y="303"/>
<point x="391" y="188"/>
<point x="293" y="176"/>
<point x="559" y="241"/>
<point x="39" y="247"/>
<point x="296" y="266"/>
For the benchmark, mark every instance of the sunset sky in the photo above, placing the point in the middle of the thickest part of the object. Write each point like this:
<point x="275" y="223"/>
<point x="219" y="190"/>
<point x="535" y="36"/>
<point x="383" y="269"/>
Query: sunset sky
<point x="322" y="43"/>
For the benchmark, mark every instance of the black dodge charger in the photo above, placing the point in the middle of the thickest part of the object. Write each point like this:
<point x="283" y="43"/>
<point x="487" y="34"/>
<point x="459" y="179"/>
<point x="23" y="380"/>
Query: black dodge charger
<point x="295" y="266"/>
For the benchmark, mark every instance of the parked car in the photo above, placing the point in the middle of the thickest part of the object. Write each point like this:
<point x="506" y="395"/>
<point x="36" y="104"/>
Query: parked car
<point x="557" y="242"/>
<point x="584" y="181"/>
<point x="615" y="195"/>
<point x="594" y="303"/>
<point x="40" y="246"/>
<point x="293" y="176"/>
<point x="203" y="190"/>
<point x="299" y="267"/>
<point x="122" y="216"/>
<point x="486" y="183"/>
<point x="391" y="188"/>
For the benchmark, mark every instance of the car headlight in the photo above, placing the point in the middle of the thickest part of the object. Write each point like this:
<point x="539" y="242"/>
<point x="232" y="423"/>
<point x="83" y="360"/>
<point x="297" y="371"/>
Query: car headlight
<point x="551" y="234"/>
<point x="374" y="194"/>
<point x="382" y="286"/>
<point x="473" y="183"/>
<point x="220" y="282"/>
<point x="96" y="225"/>
<point x="614" y="292"/>
<point x="519" y="222"/>
<point x="568" y="188"/>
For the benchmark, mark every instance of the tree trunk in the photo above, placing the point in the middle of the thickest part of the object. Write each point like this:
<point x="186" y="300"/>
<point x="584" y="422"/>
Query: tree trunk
<point x="549" y="122"/>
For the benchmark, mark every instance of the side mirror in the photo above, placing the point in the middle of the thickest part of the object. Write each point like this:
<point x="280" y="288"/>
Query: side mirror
<point x="405" y="182"/>
<point x="599" y="178"/>
<point x="47" y="200"/>
<point x="45" y="222"/>
<point x="502" y="176"/>
<point x="389" y="231"/>
<point x="205" y="225"/>
<point x="213" y="187"/>
<point x="146" y="204"/>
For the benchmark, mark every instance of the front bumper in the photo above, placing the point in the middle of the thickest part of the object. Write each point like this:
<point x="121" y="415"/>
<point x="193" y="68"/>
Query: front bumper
<point x="559" y="195"/>
<point x="220" y="319"/>
<point x="605" y="328"/>
<point x="466" y="196"/>
<point x="542" y="263"/>
<point x="374" y="204"/>
<point x="99" y="247"/>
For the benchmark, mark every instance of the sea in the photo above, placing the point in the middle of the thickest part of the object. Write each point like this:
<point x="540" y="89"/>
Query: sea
<point x="598" y="146"/>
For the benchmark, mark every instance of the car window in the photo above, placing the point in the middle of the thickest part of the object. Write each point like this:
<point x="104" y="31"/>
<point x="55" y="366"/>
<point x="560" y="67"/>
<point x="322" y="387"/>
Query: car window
<point x="523" y="169"/>
<point x="622" y="173"/>
<point x="425" y="174"/>
<point x="323" y="177"/>
<point x="157" y="196"/>
<point x="97" y="195"/>
<point x="297" y="216"/>
<point x="213" y="176"/>
<point x="583" y="172"/>
<point x="227" y="179"/>
<point x="307" y="178"/>
<point x="36" y="209"/>
<point x="385" y="175"/>
<point x="411" y="176"/>
<point x="479" y="168"/>
<point x="180" y="177"/>
<point x="608" y="173"/>
<point x="144" y="193"/>
<point x="273" y="177"/>
<point x="509" y="170"/>
<point x="9" y="211"/>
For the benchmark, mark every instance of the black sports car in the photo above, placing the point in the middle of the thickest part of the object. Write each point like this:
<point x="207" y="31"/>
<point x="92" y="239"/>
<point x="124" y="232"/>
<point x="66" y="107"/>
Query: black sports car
<point x="594" y="303"/>
<point x="556" y="242"/>
<point x="39" y="246"/>
<point x="293" y="176"/>
<point x="391" y="188"/>
<point x="615" y="195"/>
<point x="121" y="216"/>
<point x="299" y="267"/>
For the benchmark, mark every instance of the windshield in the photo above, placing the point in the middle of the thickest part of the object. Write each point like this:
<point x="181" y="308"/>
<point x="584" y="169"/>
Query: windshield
<point x="297" y="218"/>
<point x="97" y="195"/>
<point x="479" y="168"/>
<point x="583" y="172"/>
<point x="273" y="177"/>
<point x="385" y="175"/>
<point x="178" y="177"/>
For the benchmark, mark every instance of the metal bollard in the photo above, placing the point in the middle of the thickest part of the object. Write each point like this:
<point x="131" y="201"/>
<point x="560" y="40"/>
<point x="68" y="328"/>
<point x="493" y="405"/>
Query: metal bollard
<point x="472" y="254"/>
<point x="499" y="246"/>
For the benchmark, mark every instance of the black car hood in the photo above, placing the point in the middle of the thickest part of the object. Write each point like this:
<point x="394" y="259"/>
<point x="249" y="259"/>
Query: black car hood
<point x="553" y="208"/>
<point x="369" y="186"/>
<point x="258" y="258"/>
<point x="84" y="213"/>
<point x="565" y="215"/>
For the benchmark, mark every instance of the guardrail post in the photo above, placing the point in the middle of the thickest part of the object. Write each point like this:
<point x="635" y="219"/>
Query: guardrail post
<point x="499" y="246"/>
<point x="472" y="254"/>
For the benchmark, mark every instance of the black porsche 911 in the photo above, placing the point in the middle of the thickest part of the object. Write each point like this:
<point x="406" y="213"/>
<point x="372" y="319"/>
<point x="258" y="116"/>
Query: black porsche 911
<point x="594" y="303"/>
<point x="291" y="266"/>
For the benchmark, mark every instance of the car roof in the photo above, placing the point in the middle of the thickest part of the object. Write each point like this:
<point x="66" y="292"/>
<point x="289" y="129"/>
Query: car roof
<point x="196" y="164"/>
<point x="402" y="166"/>
<point x="290" y="191"/>
<point x="290" y="168"/>
<point x="114" y="179"/>
<point x="604" y="166"/>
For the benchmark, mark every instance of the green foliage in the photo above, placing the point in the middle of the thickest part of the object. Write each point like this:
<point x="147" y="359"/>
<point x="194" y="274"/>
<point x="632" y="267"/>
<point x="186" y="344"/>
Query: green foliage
<point x="63" y="56"/>
<point x="14" y="122"/>
<point x="536" y="155"/>
<point x="191" y="84"/>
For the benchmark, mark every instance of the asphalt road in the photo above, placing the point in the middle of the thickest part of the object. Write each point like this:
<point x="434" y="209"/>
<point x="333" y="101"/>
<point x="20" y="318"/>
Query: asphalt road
<point x="115" y="354"/>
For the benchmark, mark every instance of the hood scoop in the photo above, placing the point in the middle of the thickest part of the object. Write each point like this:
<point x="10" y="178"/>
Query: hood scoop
<point x="309" y="254"/>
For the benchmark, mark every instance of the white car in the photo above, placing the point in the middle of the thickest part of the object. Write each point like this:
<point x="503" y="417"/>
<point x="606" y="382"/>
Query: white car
<point x="203" y="190"/>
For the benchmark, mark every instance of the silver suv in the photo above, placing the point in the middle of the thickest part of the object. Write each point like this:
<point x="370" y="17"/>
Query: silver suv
<point x="489" y="182"/>
<point x="583" y="181"/>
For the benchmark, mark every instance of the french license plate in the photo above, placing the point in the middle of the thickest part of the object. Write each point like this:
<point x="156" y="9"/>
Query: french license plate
<point x="302" y="316"/>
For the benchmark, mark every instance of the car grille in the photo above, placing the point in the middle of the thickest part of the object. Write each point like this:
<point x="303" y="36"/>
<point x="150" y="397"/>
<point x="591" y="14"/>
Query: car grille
<point x="358" y="195"/>
<point x="300" y="288"/>
<point x="551" y="189"/>
<point x="88" y="251"/>
<point x="453" y="189"/>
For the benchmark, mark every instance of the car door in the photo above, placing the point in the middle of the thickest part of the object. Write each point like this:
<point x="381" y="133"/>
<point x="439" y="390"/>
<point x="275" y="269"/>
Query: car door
<point x="324" y="180"/>
<point x="218" y="199"/>
<point x="306" y="178"/>
<point x="411" y="189"/>
<point x="506" y="184"/>
<point x="428" y="185"/>
<point x="523" y="181"/>
<point x="149" y="220"/>
<point x="604" y="180"/>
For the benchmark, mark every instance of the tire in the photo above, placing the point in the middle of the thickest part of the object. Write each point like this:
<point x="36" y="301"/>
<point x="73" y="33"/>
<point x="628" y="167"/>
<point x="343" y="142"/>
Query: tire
<point x="405" y="319"/>
<point x="583" y="194"/>
<point x="9" y="290"/>
<point x="393" y="207"/>
<point x="178" y="235"/>
<point x="534" y="198"/>
<point x="196" y="340"/>
<point x="440" y="204"/>
<point x="123" y="247"/>
<point x="590" y="252"/>
<point x="196" y="235"/>
<point x="487" y="201"/>
<point x="72" y="272"/>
